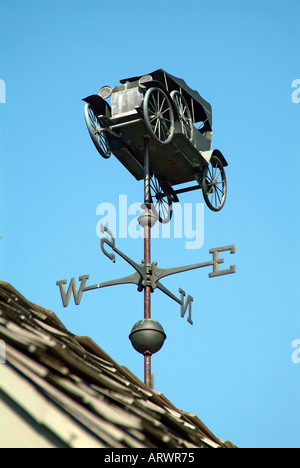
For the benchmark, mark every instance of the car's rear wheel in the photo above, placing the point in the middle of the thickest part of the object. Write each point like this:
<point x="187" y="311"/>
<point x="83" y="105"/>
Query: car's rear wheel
<point x="184" y="113"/>
<point x="161" y="200"/>
<point x="214" y="184"/>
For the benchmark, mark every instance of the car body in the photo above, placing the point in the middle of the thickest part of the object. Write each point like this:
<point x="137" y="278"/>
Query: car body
<point x="178" y="123"/>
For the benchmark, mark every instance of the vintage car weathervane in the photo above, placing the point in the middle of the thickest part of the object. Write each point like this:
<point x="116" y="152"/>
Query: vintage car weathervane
<point x="161" y="131"/>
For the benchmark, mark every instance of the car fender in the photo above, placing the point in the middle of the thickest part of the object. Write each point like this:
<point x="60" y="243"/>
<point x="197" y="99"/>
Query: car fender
<point x="208" y="155"/>
<point x="99" y="104"/>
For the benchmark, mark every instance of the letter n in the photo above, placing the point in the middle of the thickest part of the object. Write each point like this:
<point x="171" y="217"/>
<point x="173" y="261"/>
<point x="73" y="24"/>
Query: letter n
<point x="72" y="288"/>
<point x="185" y="305"/>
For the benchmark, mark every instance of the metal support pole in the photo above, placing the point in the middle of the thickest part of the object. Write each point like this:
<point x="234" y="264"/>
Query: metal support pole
<point x="147" y="369"/>
<point x="147" y="254"/>
<point x="147" y="194"/>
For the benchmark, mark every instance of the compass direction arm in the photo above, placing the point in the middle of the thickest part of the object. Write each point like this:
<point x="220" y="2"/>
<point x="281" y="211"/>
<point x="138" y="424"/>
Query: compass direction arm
<point x="180" y="301"/>
<point x="163" y="272"/>
<point x="139" y="268"/>
<point x="111" y="243"/>
<point x="132" y="279"/>
<point x="77" y="293"/>
<point x="162" y="288"/>
<point x="158" y="273"/>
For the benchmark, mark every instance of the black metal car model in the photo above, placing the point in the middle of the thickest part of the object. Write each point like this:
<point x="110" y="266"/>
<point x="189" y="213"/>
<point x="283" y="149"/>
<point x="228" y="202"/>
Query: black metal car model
<point x="178" y="122"/>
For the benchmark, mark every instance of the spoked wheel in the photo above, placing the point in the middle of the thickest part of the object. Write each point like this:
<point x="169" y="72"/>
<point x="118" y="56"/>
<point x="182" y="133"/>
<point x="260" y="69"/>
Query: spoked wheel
<point x="159" y="115"/>
<point x="185" y="116"/>
<point x="214" y="185"/>
<point x="97" y="133"/>
<point x="161" y="201"/>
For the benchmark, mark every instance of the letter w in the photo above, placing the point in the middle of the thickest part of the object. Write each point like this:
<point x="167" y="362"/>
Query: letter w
<point x="72" y="288"/>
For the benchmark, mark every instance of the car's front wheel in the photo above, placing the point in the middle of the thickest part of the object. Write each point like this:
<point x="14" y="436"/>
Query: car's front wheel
<point x="98" y="134"/>
<point x="158" y="115"/>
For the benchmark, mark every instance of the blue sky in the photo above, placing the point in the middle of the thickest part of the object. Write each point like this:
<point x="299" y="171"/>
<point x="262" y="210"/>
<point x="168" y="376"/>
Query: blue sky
<point x="233" y="367"/>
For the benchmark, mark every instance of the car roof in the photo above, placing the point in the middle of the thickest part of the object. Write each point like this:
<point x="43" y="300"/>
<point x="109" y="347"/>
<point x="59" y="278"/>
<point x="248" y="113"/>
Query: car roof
<point x="200" y="108"/>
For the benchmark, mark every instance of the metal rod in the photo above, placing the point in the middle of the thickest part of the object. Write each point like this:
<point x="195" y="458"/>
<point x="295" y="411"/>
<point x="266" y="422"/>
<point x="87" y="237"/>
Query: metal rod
<point x="147" y="194"/>
<point x="147" y="368"/>
<point x="188" y="189"/>
<point x="147" y="255"/>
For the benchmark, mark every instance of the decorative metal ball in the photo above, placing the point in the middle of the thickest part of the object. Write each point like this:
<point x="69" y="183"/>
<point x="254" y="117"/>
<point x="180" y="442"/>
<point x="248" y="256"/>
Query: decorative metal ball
<point x="147" y="218"/>
<point x="147" y="336"/>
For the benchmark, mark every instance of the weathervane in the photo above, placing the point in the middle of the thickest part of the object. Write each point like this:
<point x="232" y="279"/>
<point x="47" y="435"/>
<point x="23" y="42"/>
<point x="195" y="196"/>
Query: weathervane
<point x="150" y="128"/>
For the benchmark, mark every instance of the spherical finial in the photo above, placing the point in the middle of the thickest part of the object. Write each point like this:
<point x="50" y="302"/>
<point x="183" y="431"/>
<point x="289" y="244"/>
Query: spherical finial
<point x="147" y="336"/>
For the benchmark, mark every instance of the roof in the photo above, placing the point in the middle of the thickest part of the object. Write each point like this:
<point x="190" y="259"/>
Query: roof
<point x="67" y="392"/>
<point x="202" y="108"/>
